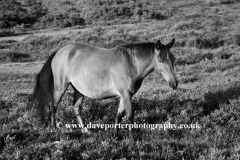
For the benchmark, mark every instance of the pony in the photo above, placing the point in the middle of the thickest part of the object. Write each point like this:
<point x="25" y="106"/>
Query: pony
<point x="100" y="73"/>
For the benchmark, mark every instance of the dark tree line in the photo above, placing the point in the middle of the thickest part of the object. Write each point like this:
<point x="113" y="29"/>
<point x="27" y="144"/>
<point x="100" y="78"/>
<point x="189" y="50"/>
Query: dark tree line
<point x="14" y="13"/>
<point x="39" y="15"/>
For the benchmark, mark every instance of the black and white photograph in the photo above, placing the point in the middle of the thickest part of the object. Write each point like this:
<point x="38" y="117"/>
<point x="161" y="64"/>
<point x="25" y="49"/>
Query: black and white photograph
<point x="119" y="79"/>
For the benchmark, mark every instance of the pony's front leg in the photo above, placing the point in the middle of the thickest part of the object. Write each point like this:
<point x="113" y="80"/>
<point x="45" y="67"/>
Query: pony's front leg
<point x="129" y="115"/>
<point x="126" y="107"/>
<point x="119" y="116"/>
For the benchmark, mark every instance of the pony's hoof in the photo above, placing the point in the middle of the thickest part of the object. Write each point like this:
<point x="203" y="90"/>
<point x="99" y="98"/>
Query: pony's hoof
<point x="59" y="125"/>
<point x="85" y="131"/>
<point x="51" y="129"/>
<point x="130" y="140"/>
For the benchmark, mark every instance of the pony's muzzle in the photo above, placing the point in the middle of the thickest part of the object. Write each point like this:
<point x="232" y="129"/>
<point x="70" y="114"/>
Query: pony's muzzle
<point x="173" y="85"/>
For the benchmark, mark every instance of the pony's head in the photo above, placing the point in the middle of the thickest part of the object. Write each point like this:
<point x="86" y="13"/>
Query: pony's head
<point x="163" y="62"/>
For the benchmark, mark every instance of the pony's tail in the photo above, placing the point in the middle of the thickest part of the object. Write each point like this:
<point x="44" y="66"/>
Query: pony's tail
<point x="43" y="90"/>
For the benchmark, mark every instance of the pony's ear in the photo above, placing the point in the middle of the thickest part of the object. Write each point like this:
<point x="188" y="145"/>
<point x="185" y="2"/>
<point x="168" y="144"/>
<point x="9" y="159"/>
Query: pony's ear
<point x="170" y="44"/>
<point x="158" y="45"/>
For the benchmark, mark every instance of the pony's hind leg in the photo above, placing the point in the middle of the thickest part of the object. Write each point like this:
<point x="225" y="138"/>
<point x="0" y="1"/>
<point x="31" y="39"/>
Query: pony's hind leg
<point x="77" y="102"/>
<point x="57" y="95"/>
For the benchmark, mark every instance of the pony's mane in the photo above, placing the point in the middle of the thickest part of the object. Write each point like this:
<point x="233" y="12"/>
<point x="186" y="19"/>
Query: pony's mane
<point x="143" y="51"/>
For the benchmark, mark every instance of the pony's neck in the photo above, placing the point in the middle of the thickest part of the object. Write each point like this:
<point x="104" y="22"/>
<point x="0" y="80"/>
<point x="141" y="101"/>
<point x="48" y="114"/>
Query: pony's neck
<point x="143" y="67"/>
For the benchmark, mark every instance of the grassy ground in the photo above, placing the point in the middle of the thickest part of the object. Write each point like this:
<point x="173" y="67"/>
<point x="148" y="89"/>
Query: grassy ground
<point x="207" y="66"/>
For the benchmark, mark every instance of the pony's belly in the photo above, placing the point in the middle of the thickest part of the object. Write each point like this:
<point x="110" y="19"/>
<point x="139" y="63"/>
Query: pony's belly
<point x="95" y="89"/>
